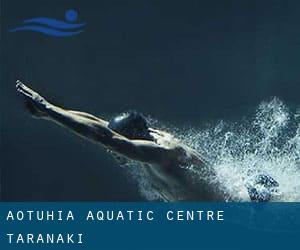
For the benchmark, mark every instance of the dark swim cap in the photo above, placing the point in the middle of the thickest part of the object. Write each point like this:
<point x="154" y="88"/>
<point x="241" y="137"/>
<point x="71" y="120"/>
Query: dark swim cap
<point x="132" y="125"/>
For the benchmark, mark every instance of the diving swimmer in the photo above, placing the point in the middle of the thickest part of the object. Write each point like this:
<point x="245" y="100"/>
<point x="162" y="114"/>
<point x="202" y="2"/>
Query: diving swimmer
<point x="129" y="136"/>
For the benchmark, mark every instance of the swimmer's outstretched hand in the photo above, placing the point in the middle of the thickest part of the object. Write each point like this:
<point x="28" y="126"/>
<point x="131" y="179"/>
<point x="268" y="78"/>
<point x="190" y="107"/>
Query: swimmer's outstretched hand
<point x="35" y="103"/>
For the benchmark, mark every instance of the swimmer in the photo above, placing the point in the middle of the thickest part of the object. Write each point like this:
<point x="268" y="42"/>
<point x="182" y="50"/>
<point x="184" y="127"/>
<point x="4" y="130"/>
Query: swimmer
<point x="129" y="136"/>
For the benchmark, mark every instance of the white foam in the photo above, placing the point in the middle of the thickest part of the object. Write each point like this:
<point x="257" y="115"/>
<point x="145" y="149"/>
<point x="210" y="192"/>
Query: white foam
<point x="268" y="142"/>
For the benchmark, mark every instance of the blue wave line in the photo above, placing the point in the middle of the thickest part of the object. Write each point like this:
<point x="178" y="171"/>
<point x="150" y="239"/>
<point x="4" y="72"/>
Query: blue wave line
<point x="47" y="31"/>
<point x="53" y="23"/>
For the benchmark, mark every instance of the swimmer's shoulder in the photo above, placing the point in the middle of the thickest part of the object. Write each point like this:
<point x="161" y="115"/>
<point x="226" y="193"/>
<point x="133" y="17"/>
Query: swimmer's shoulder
<point x="185" y="155"/>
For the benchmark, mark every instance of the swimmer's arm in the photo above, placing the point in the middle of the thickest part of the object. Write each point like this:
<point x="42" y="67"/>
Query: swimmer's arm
<point x="83" y="124"/>
<point x="96" y="129"/>
<point x="87" y="115"/>
<point x="34" y="100"/>
<point x="142" y="150"/>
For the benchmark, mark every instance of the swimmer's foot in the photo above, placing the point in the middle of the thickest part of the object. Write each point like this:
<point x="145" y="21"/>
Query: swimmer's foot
<point x="34" y="103"/>
<point x="263" y="188"/>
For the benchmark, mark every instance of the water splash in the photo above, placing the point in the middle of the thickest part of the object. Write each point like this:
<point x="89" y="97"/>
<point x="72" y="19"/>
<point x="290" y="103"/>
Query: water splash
<point x="267" y="142"/>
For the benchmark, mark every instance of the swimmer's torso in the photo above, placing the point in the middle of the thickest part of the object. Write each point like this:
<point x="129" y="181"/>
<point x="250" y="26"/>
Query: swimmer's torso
<point x="178" y="180"/>
<point x="180" y="183"/>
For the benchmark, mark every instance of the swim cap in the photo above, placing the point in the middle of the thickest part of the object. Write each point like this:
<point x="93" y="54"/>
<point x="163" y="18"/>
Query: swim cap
<point x="132" y="125"/>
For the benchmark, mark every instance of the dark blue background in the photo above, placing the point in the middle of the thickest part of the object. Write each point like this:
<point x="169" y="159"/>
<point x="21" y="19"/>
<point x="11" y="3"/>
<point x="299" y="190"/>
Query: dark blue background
<point x="182" y="62"/>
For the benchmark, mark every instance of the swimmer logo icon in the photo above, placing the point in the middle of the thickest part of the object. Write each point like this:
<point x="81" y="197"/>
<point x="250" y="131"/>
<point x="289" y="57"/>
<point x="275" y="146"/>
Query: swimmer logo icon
<point x="53" y="27"/>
